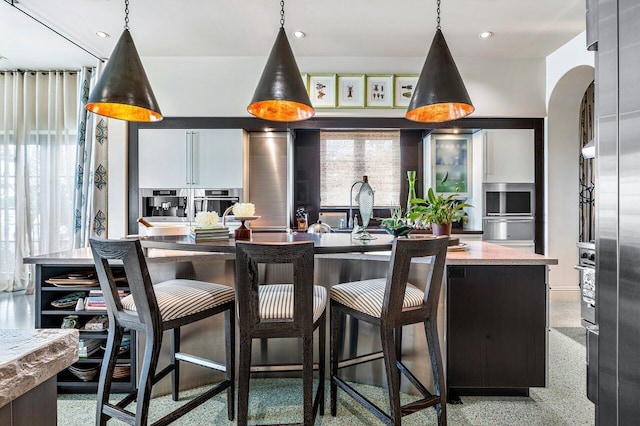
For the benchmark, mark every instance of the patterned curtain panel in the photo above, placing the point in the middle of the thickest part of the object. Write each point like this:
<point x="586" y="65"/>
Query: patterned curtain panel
<point x="38" y="120"/>
<point x="92" y="166"/>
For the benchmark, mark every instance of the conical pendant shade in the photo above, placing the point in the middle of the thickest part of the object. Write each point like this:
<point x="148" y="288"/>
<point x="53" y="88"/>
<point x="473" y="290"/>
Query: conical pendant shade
<point x="440" y="94"/>
<point x="280" y="95"/>
<point x="123" y="91"/>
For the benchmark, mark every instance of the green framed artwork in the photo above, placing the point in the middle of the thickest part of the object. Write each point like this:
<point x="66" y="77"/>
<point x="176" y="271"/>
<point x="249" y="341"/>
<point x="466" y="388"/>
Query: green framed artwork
<point x="451" y="164"/>
<point x="322" y="90"/>
<point x="379" y="90"/>
<point x="404" y="86"/>
<point x="351" y="91"/>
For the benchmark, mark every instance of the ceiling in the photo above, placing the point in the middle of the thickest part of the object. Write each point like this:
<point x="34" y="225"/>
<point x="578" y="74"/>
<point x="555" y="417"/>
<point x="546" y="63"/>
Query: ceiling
<point x="373" y="28"/>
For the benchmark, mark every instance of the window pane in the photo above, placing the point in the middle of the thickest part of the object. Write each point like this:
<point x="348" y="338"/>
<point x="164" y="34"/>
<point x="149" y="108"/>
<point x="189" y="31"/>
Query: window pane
<point x="347" y="156"/>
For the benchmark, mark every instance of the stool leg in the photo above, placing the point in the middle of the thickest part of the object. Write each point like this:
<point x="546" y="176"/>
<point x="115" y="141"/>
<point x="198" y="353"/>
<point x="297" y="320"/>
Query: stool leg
<point x="307" y="379"/>
<point x="354" y="325"/>
<point x="398" y="336"/>
<point x="147" y="372"/>
<point x="106" y="373"/>
<point x="336" y="325"/>
<point x="393" y="374"/>
<point x="431" y="328"/>
<point x="230" y="337"/>
<point x="244" y="373"/>
<point x="174" y="335"/>
<point x="322" y="341"/>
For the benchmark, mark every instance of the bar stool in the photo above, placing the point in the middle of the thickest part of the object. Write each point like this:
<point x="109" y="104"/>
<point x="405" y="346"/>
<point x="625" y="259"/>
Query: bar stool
<point x="153" y="309"/>
<point x="280" y="310"/>
<point x="391" y="303"/>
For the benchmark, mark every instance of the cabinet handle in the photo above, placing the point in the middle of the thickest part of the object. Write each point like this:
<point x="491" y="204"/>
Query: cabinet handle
<point x="486" y="154"/>
<point x="192" y="162"/>
<point x="186" y="156"/>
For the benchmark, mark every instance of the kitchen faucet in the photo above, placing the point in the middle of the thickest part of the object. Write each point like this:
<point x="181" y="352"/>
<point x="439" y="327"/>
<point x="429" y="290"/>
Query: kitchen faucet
<point x="224" y="215"/>
<point x="350" y="222"/>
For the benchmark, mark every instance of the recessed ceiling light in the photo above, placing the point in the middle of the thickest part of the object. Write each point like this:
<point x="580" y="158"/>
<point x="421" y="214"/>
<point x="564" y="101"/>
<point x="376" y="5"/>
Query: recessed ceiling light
<point x="486" y="34"/>
<point x="299" y="34"/>
<point x="102" y="34"/>
<point x="456" y="131"/>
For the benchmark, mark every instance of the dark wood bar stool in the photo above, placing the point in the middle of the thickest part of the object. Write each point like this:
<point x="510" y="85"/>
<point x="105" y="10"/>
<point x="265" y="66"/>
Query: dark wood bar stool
<point x="280" y="310"/>
<point x="391" y="303"/>
<point x="153" y="309"/>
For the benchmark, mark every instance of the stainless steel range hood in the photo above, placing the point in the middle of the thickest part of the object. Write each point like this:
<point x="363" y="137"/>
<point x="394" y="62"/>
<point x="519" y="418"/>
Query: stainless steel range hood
<point x="589" y="150"/>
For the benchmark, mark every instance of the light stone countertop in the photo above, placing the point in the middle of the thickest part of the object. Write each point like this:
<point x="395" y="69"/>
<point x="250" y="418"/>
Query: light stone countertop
<point x="476" y="253"/>
<point x="31" y="357"/>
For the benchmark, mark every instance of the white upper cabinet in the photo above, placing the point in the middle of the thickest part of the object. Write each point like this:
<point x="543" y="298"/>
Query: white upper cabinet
<point x="217" y="158"/>
<point x="509" y="155"/>
<point x="200" y="158"/>
<point x="163" y="158"/>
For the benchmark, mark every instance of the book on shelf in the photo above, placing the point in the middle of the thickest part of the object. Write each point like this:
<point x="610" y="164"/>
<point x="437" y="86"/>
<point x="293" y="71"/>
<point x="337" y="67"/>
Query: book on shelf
<point x="87" y="347"/>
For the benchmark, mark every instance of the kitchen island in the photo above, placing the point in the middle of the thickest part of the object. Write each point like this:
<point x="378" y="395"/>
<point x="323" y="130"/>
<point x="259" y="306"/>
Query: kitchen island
<point x="493" y="312"/>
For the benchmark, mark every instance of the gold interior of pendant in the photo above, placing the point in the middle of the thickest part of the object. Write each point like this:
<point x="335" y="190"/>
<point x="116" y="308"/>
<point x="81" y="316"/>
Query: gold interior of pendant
<point x="437" y="113"/>
<point x="124" y="112"/>
<point x="280" y="110"/>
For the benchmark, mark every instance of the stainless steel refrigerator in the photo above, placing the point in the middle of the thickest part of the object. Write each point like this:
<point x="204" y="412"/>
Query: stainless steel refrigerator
<point x="269" y="179"/>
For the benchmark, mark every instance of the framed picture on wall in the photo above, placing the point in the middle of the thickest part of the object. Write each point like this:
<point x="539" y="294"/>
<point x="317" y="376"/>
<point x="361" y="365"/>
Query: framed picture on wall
<point x="451" y="164"/>
<point x="350" y="90"/>
<point x="322" y="90"/>
<point x="404" y="86"/>
<point x="380" y="91"/>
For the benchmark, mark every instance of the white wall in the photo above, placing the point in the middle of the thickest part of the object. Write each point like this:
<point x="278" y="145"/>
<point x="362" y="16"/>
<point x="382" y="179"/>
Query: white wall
<point x="569" y="72"/>
<point x="223" y="87"/>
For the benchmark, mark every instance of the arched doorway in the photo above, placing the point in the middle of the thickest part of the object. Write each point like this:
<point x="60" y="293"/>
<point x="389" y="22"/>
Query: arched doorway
<point x="562" y="182"/>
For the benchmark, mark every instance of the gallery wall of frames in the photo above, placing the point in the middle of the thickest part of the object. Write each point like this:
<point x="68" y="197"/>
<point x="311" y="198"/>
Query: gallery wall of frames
<point x="360" y="90"/>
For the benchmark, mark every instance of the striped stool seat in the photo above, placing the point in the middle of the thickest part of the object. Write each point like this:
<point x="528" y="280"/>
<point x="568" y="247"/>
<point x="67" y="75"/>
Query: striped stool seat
<point x="276" y="302"/>
<point x="181" y="298"/>
<point x="367" y="296"/>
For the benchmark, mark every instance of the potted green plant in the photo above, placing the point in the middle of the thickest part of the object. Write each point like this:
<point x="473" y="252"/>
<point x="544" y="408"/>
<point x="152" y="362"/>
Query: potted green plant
<point x="439" y="211"/>
<point x="396" y="225"/>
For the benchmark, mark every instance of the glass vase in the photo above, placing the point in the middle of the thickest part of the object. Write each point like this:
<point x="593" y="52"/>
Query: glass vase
<point x="411" y="194"/>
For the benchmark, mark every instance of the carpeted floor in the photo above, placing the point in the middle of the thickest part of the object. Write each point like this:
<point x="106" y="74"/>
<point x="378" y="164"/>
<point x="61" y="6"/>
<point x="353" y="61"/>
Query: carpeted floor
<point x="563" y="402"/>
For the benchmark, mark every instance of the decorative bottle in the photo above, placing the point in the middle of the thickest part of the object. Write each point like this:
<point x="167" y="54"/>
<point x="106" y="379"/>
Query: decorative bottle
<point x="365" y="205"/>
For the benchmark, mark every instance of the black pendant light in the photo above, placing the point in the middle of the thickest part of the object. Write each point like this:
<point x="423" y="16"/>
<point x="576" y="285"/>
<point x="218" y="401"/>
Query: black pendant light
<point x="440" y="94"/>
<point x="123" y="91"/>
<point x="281" y="95"/>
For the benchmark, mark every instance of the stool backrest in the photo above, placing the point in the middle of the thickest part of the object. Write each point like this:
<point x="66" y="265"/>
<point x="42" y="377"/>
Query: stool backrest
<point x="139" y="282"/>
<point x="248" y="258"/>
<point x="404" y="250"/>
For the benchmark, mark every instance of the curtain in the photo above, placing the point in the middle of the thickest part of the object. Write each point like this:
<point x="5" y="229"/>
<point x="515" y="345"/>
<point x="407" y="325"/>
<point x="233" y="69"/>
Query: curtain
<point x="38" y="117"/>
<point x="92" y="166"/>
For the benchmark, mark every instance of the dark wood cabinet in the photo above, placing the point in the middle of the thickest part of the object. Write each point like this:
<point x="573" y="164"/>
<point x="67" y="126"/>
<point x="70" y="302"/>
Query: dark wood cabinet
<point x="496" y="328"/>
<point x="49" y="317"/>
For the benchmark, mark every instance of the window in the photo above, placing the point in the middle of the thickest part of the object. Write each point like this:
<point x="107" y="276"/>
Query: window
<point x="345" y="157"/>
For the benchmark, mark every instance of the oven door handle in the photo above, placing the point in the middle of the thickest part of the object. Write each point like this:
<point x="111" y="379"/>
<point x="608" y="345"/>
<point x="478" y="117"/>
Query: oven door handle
<point x="583" y="268"/>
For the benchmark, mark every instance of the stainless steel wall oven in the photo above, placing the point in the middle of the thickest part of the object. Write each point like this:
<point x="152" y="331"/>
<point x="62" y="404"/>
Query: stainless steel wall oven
<point x="181" y="205"/>
<point x="509" y="214"/>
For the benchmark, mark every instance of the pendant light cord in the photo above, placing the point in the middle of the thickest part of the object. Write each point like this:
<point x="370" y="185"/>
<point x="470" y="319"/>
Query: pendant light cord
<point x="438" y="12"/>
<point x="126" y="14"/>
<point x="281" y="13"/>
<point x="13" y="4"/>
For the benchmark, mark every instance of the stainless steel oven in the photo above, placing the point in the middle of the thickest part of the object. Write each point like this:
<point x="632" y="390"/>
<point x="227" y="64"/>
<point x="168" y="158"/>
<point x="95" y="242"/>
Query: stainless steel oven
<point x="509" y="199"/>
<point x="214" y="200"/>
<point x="509" y="215"/>
<point x="181" y="205"/>
<point x="587" y="269"/>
